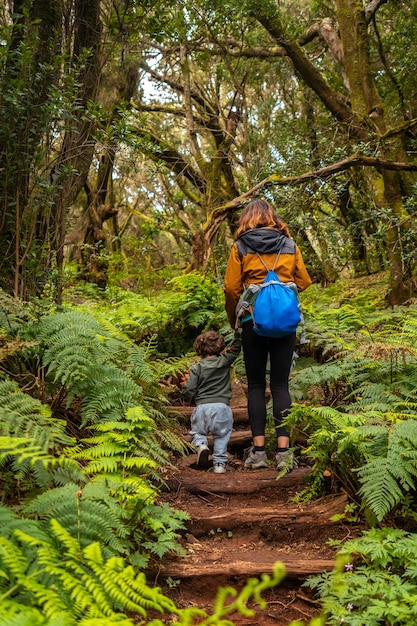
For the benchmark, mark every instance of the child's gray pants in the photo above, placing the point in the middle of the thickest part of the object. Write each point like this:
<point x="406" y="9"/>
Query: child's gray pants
<point x="215" y="418"/>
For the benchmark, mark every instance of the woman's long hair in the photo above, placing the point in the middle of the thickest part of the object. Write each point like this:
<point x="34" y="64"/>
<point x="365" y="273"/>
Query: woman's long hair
<point x="260" y="214"/>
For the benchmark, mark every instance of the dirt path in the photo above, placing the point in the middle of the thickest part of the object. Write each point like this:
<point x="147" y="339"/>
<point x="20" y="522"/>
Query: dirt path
<point x="240" y="524"/>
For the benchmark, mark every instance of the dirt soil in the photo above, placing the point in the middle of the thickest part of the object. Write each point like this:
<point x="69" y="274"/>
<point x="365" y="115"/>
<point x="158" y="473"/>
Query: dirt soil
<point x="243" y="522"/>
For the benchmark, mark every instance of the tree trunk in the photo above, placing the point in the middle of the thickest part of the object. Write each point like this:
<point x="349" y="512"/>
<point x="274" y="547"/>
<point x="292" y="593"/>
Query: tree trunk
<point x="368" y="105"/>
<point x="78" y="145"/>
<point x="26" y="90"/>
<point x="88" y="239"/>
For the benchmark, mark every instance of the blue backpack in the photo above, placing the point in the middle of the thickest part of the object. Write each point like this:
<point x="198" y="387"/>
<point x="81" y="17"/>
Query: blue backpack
<point x="274" y="305"/>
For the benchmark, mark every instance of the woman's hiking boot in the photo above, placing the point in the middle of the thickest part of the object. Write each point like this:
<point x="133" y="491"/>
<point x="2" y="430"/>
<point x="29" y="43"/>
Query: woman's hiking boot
<point x="286" y="460"/>
<point x="256" y="460"/>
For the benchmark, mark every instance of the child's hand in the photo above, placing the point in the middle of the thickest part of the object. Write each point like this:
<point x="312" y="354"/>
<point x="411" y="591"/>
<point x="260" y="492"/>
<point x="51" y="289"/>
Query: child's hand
<point x="183" y="379"/>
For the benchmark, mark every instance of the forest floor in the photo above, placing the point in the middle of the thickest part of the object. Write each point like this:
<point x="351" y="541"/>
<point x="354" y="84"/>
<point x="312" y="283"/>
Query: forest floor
<point x="241" y="523"/>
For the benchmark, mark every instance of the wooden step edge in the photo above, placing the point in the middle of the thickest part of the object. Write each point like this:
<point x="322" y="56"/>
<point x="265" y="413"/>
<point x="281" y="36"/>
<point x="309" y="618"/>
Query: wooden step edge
<point x="295" y="568"/>
<point x="238" y="437"/>
<point x="240" y="414"/>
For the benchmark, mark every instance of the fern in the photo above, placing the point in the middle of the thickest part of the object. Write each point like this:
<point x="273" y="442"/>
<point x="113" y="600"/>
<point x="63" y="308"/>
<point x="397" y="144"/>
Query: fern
<point x="367" y="375"/>
<point x="101" y="367"/>
<point x="107" y="508"/>
<point x="129" y="444"/>
<point x="25" y="458"/>
<point x="139" y="366"/>
<point x="164" y="524"/>
<point x="390" y="452"/>
<point x="89" y="514"/>
<point x="325" y="428"/>
<point x="373" y="395"/>
<point x="319" y="376"/>
<point x="79" y="354"/>
<point x="191" y="303"/>
<point x="23" y="416"/>
<point x="108" y="395"/>
<point x="82" y="357"/>
<point x="10" y="521"/>
<point x="128" y="455"/>
<point x="52" y="573"/>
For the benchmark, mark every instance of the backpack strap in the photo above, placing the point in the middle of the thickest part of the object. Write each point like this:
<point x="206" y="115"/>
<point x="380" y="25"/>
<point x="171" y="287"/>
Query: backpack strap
<point x="276" y="259"/>
<point x="265" y="265"/>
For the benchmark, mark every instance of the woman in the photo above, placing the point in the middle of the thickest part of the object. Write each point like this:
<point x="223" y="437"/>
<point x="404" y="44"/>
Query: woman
<point x="262" y="232"/>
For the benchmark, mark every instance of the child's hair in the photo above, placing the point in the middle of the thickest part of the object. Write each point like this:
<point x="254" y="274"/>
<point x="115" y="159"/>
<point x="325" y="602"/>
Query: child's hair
<point x="209" y="343"/>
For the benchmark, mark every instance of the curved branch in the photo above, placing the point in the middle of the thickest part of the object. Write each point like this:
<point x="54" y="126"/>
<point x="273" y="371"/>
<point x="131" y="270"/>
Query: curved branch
<point x="322" y="28"/>
<point x="401" y="128"/>
<point x="158" y="151"/>
<point x="179" y="87"/>
<point x="372" y="8"/>
<point x="321" y="174"/>
<point x="157" y="108"/>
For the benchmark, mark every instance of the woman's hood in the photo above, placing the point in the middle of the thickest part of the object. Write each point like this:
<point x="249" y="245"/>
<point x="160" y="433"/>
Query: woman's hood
<point x="264" y="241"/>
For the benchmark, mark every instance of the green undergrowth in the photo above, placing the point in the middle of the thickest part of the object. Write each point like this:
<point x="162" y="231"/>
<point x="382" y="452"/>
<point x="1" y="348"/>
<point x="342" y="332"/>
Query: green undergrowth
<point x="86" y="438"/>
<point x="374" y="581"/>
<point x="189" y="304"/>
<point x="355" y="392"/>
<point x="355" y="398"/>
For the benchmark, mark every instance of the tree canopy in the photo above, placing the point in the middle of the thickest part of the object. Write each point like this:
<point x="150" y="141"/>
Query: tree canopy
<point x="137" y="129"/>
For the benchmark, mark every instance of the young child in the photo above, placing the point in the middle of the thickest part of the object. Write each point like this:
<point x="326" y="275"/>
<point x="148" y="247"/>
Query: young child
<point x="208" y="383"/>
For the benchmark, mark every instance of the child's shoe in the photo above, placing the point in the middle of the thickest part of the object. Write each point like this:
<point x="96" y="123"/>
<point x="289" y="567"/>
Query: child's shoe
<point x="219" y="468"/>
<point x="286" y="460"/>
<point x="203" y="457"/>
<point x="256" y="460"/>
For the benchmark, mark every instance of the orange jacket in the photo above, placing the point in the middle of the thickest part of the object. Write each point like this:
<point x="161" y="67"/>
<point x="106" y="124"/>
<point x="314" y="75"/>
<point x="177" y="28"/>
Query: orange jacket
<point x="244" y="267"/>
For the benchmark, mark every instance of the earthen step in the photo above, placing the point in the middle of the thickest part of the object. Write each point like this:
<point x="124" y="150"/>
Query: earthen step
<point x="233" y="482"/>
<point x="318" y="512"/>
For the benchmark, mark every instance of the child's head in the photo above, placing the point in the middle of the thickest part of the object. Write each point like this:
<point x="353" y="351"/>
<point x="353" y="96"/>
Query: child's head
<point x="209" y="343"/>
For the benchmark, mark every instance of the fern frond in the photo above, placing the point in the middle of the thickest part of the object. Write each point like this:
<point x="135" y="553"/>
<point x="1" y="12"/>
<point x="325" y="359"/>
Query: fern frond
<point x="139" y="366"/>
<point x="392" y="468"/>
<point x="129" y="444"/>
<point x="89" y="361"/>
<point x="164" y="524"/>
<point x="109" y="395"/>
<point x="54" y="575"/>
<point x="86" y="514"/>
<point x="380" y="488"/>
<point x="26" y="457"/>
<point x="23" y="416"/>
<point x="170" y="440"/>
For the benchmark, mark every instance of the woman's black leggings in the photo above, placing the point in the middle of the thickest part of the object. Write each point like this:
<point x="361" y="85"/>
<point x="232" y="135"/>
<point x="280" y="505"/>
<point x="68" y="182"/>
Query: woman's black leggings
<point x="255" y="354"/>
